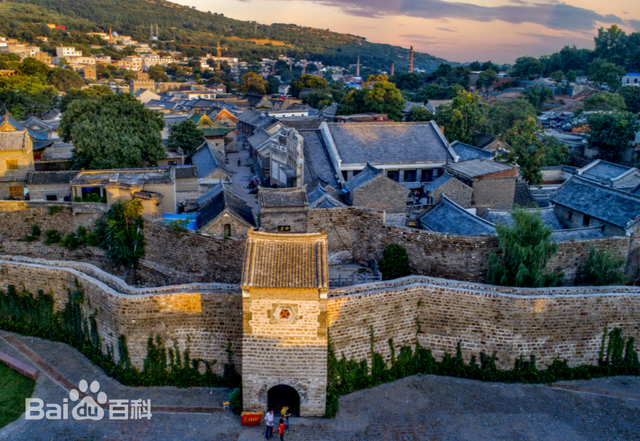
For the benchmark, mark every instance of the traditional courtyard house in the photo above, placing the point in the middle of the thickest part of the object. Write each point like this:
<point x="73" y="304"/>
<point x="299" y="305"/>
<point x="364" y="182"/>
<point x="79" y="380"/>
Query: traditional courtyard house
<point x="157" y="185"/>
<point x="468" y="152"/>
<point x="286" y="159"/>
<point x="260" y="146"/>
<point x="211" y="165"/>
<point x="50" y="185"/>
<point x="321" y="195"/>
<point x="16" y="161"/>
<point x="450" y="218"/>
<point x="406" y="152"/>
<point x="145" y="95"/>
<point x="187" y="183"/>
<point x="284" y="314"/>
<point x="283" y="210"/>
<point x="41" y="139"/>
<point x="221" y="212"/>
<point x="611" y="175"/>
<point x="251" y="120"/>
<point x="493" y="183"/>
<point x="455" y="190"/>
<point x="372" y="189"/>
<point x="581" y="202"/>
<point x="219" y="131"/>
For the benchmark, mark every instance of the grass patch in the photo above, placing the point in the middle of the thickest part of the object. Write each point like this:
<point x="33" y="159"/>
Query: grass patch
<point x="14" y="389"/>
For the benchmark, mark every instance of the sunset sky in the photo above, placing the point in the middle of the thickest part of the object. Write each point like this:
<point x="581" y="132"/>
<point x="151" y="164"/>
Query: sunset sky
<point x="497" y="30"/>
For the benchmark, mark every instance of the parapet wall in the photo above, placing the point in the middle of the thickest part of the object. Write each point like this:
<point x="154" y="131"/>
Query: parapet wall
<point x="209" y="315"/>
<point x="565" y="323"/>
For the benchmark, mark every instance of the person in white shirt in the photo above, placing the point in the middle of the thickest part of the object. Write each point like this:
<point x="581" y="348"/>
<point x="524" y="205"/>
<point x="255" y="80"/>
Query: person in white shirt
<point x="269" y="420"/>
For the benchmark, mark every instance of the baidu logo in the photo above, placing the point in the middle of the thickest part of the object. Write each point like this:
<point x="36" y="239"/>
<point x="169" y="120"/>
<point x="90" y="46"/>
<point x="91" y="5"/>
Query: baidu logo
<point x="85" y="407"/>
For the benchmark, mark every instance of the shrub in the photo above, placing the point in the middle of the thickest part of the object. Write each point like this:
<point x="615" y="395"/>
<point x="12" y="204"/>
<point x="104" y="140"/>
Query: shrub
<point x="34" y="235"/>
<point x="235" y="399"/>
<point x="119" y="232"/>
<point x="603" y="268"/>
<point x="53" y="209"/>
<point x="394" y="263"/>
<point x="526" y="249"/>
<point x="52" y="236"/>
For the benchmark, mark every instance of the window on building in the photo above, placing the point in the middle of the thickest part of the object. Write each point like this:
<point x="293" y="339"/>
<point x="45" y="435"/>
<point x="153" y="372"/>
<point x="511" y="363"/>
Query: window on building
<point x="585" y="220"/>
<point x="570" y="215"/>
<point x="227" y="229"/>
<point x="344" y="175"/>
<point x="15" y="191"/>
<point x="284" y="228"/>
<point x="52" y="197"/>
<point x="12" y="164"/>
<point x="394" y="175"/>
<point x="172" y="162"/>
<point x="410" y="175"/>
<point x="356" y="173"/>
<point x="427" y="176"/>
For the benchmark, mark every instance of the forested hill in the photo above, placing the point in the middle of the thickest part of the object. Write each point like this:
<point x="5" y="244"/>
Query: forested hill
<point x="25" y="19"/>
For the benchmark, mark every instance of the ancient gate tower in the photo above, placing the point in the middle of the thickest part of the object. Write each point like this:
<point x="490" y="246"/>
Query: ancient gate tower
<point x="284" y="304"/>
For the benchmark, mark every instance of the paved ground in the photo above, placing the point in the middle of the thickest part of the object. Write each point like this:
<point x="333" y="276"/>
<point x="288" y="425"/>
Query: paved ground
<point x="416" y="408"/>
<point x="242" y="175"/>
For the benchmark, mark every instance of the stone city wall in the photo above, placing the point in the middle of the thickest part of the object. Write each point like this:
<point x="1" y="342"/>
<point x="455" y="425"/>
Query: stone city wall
<point x="209" y="315"/>
<point x="565" y="323"/>
<point x="363" y="233"/>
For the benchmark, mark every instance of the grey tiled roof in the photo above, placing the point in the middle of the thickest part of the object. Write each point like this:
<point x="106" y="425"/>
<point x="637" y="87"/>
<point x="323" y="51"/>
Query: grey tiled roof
<point x="208" y="160"/>
<point x="283" y="197"/>
<point x="320" y="197"/>
<point x="13" y="140"/>
<point x="604" y="172"/>
<point x="250" y="116"/>
<point x="367" y="174"/>
<point x="449" y="217"/>
<point x="213" y="203"/>
<point x="389" y="143"/>
<point x="577" y="234"/>
<point x="186" y="171"/>
<point x="431" y="186"/>
<point x="317" y="162"/>
<point x="599" y="201"/>
<point x="468" y="152"/>
<point x="504" y="217"/>
<point x="52" y="177"/>
<point x="477" y="167"/>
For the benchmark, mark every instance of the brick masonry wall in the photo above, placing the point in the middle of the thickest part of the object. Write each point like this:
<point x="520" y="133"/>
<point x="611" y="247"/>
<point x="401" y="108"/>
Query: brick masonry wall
<point x="209" y="315"/>
<point x="363" y="233"/>
<point x="455" y="190"/>
<point x="563" y="322"/>
<point x="383" y="194"/>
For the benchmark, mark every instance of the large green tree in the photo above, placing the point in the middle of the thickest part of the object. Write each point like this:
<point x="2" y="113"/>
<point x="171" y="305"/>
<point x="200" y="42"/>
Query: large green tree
<point x="187" y="136"/>
<point x="318" y="99"/>
<point x="631" y="95"/>
<point x="487" y="79"/>
<point x="604" y="101"/>
<point x="253" y="83"/>
<point x="462" y="117"/>
<point x="83" y="94"/>
<point x="157" y="74"/>
<point x="65" y="79"/>
<point x="537" y="95"/>
<point x="527" y="68"/>
<point x="420" y="113"/>
<point x="503" y="114"/>
<point x="526" y="248"/>
<point x="612" y="132"/>
<point x="606" y="74"/>
<point x="113" y="131"/>
<point x="307" y="81"/>
<point x="384" y="97"/>
<point x="525" y="148"/>
<point x="27" y="95"/>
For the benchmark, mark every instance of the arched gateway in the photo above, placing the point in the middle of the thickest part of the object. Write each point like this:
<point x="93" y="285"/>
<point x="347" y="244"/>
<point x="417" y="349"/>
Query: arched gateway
<point x="284" y="307"/>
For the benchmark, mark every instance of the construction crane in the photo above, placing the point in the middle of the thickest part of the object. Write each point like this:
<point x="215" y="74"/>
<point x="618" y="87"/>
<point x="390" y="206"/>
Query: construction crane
<point x="218" y="48"/>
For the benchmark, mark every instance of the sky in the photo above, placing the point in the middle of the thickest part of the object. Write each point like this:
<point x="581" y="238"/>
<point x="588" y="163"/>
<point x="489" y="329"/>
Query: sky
<point x="462" y="31"/>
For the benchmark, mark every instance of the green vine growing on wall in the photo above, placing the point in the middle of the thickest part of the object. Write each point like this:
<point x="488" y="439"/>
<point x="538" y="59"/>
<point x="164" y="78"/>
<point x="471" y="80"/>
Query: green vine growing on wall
<point x="27" y="314"/>
<point x="617" y="357"/>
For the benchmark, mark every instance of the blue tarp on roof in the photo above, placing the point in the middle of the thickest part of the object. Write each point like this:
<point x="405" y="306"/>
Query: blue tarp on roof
<point x="191" y="217"/>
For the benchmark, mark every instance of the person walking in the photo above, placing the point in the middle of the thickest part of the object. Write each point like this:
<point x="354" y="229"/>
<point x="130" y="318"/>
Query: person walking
<point x="269" y="420"/>
<point x="281" y="429"/>
<point x="239" y="162"/>
<point x="286" y="414"/>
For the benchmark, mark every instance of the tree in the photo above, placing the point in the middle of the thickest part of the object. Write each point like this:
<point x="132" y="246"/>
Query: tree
<point x="318" y="99"/>
<point x="32" y="67"/>
<point x="394" y="263"/>
<point x="537" y="95"/>
<point x="631" y="96"/>
<point x="420" y="113"/>
<point x="462" y="117"/>
<point x="157" y="74"/>
<point x="27" y="95"/>
<point x="307" y="82"/>
<point x="525" y="148"/>
<point x="113" y="131"/>
<point x="557" y="77"/>
<point x="253" y="83"/>
<point x="83" y="94"/>
<point x="503" y="114"/>
<point x="604" y="101"/>
<point x="603" y="268"/>
<point x="408" y="81"/>
<point x="554" y="151"/>
<point x="384" y="97"/>
<point x="612" y="132"/>
<point x="487" y="79"/>
<point x="118" y="232"/>
<point x="187" y="136"/>
<point x="610" y="45"/>
<point x="527" y="68"/>
<point x="65" y="79"/>
<point x="526" y="248"/>
<point x="605" y="74"/>
<point x="273" y="84"/>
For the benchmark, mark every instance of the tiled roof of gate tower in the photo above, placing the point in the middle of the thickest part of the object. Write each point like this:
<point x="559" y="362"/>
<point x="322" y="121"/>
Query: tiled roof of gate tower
<point x="286" y="261"/>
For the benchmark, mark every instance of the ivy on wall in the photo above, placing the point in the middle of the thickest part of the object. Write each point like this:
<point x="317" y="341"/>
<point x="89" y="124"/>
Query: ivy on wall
<point x="28" y="314"/>
<point x="617" y="357"/>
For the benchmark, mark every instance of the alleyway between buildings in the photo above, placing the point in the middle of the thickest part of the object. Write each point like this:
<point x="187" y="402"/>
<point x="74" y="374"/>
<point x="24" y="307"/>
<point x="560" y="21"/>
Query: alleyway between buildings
<point x="416" y="408"/>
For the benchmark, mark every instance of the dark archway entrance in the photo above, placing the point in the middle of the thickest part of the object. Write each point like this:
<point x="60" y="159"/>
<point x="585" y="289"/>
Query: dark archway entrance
<point x="283" y="395"/>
